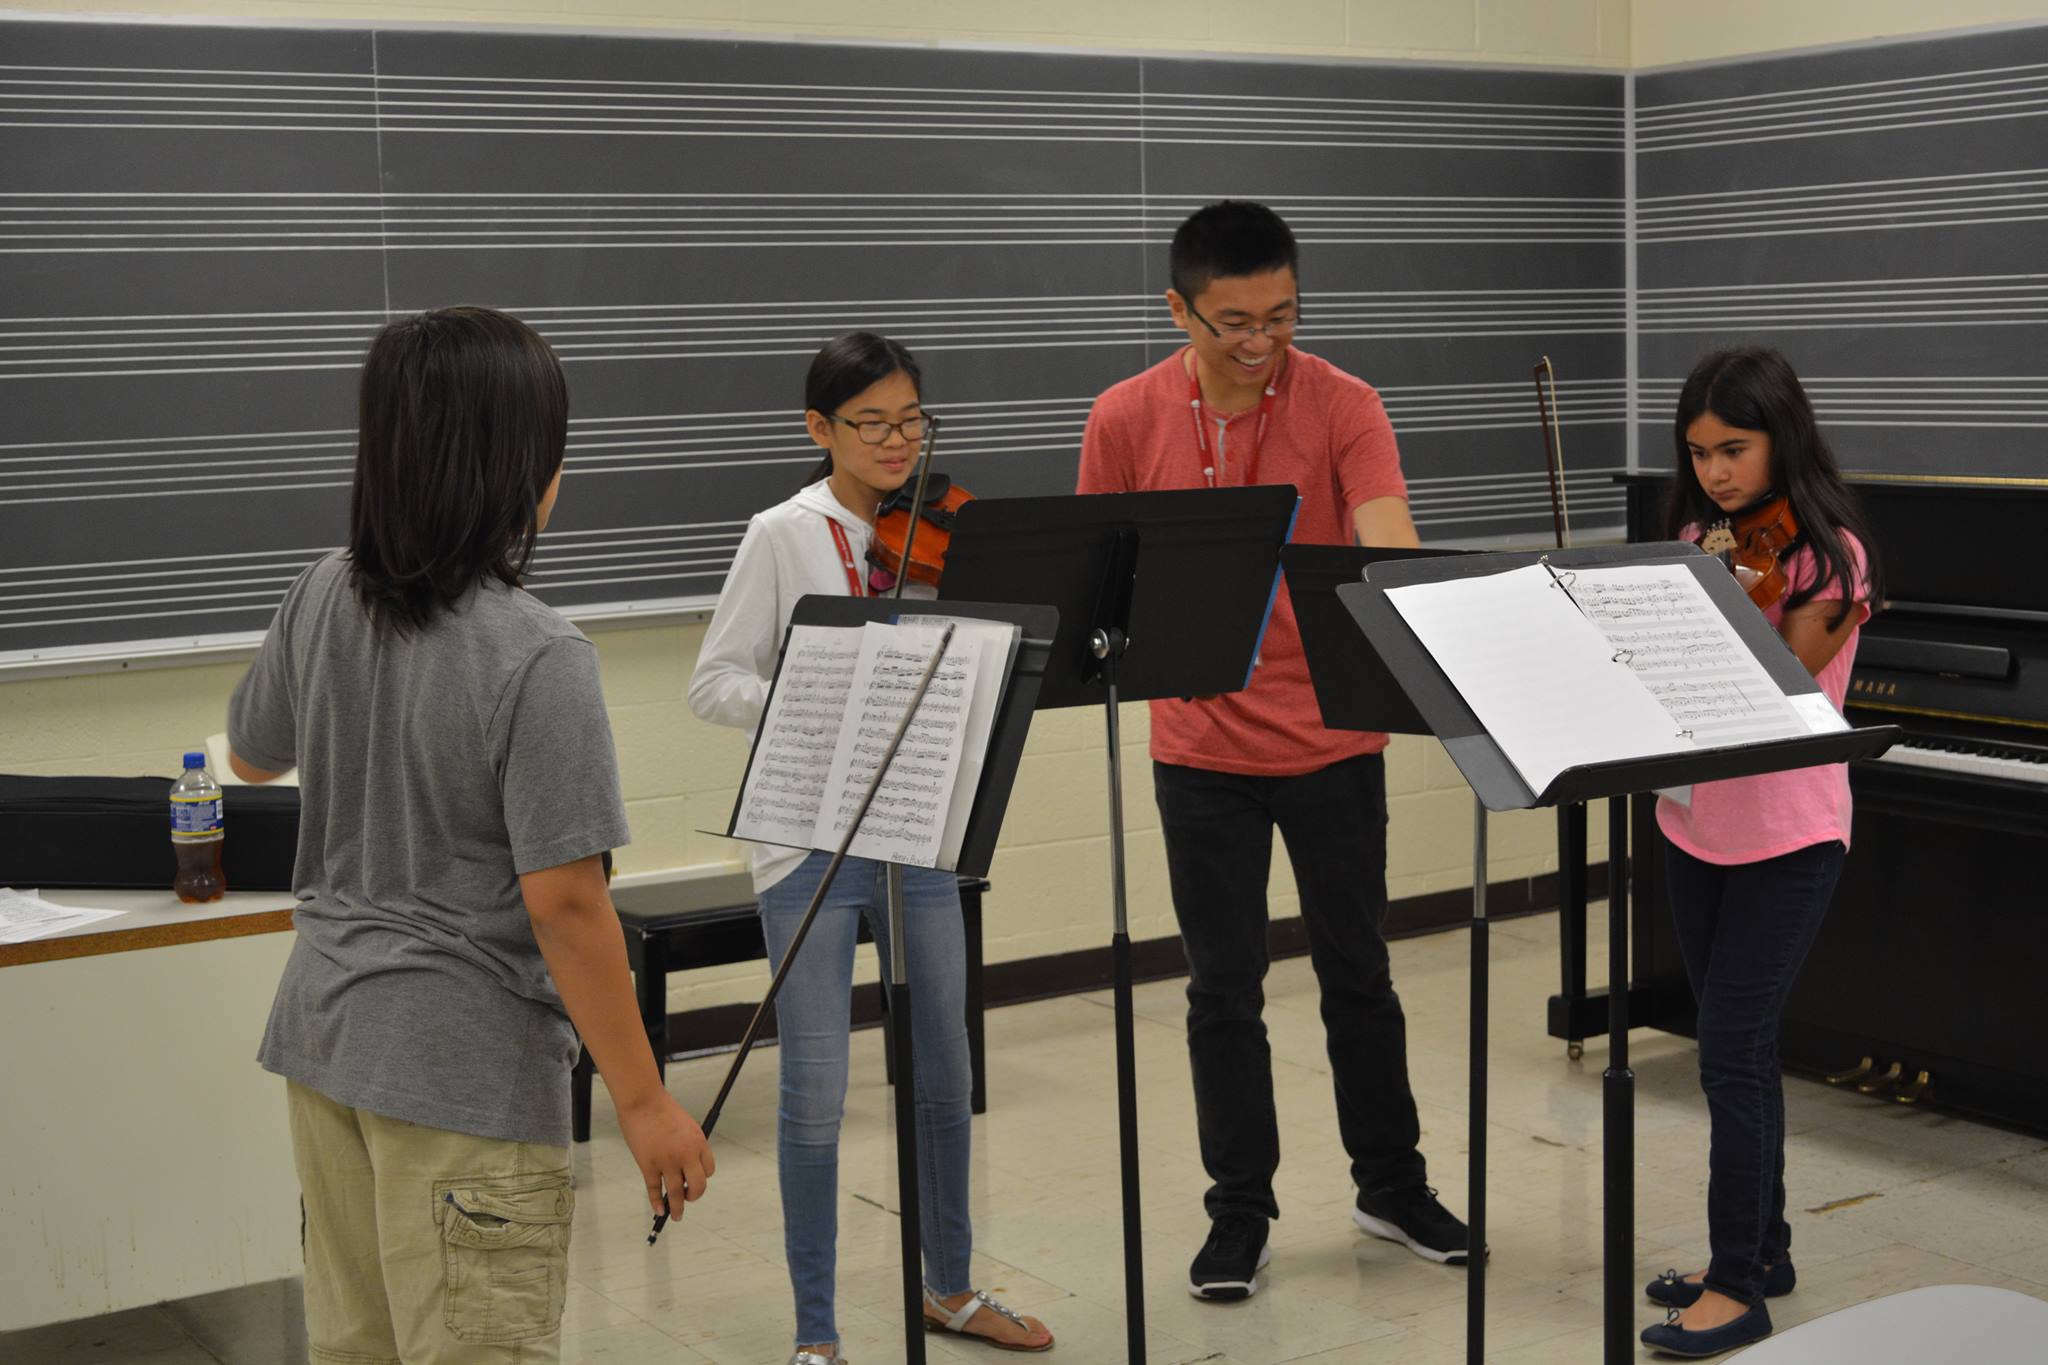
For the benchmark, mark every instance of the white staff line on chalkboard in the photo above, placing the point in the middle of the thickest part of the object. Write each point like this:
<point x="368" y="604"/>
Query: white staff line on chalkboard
<point x="805" y="110"/>
<point x="563" y="222"/>
<point x="396" y="78"/>
<point x="293" y="565"/>
<point x="924" y="345"/>
<point x="758" y="309"/>
<point x="1844" y="225"/>
<point x="1780" y="325"/>
<point x="204" y="248"/>
<point x="1819" y="207"/>
<point x="346" y="446"/>
<point x="1818" y="113"/>
<point x="1435" y="403"/>
<point x="127" y="594"/>
<point x="181" y="492"/>
<point x="227" y="483"/>
<point x="1827" y="94"/>
<point x="1871" y="286"/>
<point x="1837" y="132"/>
<point x="817" y="133"/>
<point x="1279" y="109"/>
<point x="271" y="594"/>
<point x="1854" y="310"/>
<point x="271" y="462"/>
<point x="1126" y="314"/>
<point x="9" y="591"/>
<point x="1849" y="194"/>
<point x="972" y="116"/>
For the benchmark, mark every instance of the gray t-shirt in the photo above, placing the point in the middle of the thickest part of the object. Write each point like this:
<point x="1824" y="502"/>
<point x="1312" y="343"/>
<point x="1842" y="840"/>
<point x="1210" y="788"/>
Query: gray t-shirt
<point x="434" y="770"/>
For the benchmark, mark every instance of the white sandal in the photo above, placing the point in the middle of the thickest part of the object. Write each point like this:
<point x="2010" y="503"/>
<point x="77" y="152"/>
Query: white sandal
<point x="956" y="1322"/>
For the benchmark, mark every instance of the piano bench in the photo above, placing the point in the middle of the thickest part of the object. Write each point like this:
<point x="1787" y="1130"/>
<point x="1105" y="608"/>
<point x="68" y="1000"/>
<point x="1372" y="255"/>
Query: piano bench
<point x="711" y="921"/>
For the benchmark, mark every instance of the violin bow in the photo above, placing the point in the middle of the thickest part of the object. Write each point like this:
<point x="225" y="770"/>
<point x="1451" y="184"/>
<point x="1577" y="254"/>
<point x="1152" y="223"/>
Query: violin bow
<point x="1553" y="451"/>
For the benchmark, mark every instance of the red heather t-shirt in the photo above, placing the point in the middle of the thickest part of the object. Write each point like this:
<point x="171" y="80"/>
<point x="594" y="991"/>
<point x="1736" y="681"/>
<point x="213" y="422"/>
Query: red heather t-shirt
<point x="1328" y="436"/>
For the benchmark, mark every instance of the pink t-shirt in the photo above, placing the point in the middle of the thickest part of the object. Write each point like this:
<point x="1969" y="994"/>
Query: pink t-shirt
<point x="1749" y="819"/>
<point x="1328" y="436"/>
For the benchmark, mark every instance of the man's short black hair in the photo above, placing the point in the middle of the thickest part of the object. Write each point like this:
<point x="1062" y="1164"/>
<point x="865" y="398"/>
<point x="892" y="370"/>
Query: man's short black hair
<point x="1226" y="240"/>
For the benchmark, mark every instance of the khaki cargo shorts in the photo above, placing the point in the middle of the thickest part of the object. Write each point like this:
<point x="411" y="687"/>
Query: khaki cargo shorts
<point x="425" y="1246"/>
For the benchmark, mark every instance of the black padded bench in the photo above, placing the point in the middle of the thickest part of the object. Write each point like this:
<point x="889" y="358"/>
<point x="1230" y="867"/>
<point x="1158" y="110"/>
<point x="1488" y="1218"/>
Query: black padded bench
<point x="711" y="921"/>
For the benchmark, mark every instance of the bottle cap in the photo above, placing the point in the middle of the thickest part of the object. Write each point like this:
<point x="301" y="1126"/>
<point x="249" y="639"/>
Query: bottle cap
<point x="195" y="760"/>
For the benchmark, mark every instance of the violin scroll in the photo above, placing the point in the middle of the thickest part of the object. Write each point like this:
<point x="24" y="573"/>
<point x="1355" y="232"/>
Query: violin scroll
<point x="1752" y="544"/>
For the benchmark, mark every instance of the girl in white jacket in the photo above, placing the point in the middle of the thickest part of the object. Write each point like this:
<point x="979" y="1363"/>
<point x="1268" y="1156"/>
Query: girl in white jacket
<point x="863" y="408"/>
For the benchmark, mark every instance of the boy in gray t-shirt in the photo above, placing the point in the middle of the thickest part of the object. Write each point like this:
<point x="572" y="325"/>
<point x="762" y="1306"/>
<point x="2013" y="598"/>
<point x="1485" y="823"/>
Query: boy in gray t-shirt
<point x="458" y="786"/>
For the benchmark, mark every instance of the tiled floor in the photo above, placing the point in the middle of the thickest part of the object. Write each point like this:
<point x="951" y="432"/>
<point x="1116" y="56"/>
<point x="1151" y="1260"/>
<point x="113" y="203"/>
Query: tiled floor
<point x="1883" y="1197"/>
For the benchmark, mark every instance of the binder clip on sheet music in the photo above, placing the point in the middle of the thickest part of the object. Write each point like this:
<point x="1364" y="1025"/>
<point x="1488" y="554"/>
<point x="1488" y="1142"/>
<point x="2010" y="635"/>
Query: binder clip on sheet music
<point x="1642" y="663"/>
<point x="838" y="701"/>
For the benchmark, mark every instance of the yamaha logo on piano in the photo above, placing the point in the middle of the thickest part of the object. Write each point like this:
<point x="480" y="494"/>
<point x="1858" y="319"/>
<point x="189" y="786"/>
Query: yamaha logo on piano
<point x="1874" y="689"/>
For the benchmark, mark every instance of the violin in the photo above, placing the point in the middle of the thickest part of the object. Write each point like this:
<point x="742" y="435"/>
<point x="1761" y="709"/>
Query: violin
<point x="925" y="537"/>
<point x="1752" y="544"/>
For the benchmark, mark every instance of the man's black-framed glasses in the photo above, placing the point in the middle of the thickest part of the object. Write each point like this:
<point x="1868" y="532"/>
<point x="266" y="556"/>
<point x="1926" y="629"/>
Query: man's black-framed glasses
<point x="1276" y="328"/>
<point x="874" y="431"/>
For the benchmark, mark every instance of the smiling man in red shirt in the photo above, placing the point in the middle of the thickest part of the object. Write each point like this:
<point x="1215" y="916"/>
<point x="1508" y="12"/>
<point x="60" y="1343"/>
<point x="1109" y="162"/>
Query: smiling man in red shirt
<point x="1240" y="405"/>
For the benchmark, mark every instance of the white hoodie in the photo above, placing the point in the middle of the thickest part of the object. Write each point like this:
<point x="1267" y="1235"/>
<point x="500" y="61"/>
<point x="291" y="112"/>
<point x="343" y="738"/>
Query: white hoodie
<point x="788" y="552"/>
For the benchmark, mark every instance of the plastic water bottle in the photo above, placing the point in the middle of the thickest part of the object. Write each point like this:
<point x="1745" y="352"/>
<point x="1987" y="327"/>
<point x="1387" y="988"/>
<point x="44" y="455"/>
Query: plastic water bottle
<point x="197" y="833"/>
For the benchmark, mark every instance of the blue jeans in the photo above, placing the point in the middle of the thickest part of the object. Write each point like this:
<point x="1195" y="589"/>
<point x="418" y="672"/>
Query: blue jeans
<point x="1744" y="931"/>
<point x="812" y="1016"/>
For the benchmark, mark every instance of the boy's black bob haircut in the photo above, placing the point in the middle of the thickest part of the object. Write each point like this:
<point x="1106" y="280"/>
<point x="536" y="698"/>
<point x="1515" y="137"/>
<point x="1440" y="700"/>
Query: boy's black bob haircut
<point x="463" y="417"/>
<point x="1233" y="238"/>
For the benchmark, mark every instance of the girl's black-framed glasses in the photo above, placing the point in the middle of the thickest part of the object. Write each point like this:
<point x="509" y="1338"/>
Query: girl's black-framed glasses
<point x="874" y="432"/>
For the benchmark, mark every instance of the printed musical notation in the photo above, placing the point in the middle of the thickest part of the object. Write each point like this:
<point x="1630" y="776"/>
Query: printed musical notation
<point x="839" y="699"/>
<point x="1663" y="625"/>
<point x="906" y="821"/>
<point x="1567" y="668"/>
<point x="799" y="735"/>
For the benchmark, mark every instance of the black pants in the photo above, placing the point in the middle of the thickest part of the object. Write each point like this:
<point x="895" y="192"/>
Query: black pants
<point x="1219" y="848"/>
<point x="1744" y="932"/>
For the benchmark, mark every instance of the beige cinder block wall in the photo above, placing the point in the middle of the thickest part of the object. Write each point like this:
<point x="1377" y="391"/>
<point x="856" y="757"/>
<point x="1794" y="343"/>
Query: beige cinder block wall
<point x="1051" y="874"/>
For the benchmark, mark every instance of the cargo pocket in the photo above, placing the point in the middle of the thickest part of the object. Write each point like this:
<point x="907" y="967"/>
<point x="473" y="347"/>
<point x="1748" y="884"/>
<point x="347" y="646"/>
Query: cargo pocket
<point x="504" y="1254"/>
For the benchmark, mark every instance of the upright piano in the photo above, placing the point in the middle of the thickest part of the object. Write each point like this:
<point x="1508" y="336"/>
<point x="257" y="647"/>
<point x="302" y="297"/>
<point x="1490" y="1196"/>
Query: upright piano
<point x="1928" y="983"/>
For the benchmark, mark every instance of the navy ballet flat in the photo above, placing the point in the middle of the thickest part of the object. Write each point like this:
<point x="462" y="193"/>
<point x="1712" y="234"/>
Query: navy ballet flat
<point x="1668" y="1337"/>
<point x="1672" y="1290"/>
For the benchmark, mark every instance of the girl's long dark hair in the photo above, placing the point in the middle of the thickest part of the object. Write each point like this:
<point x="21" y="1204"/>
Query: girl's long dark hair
<point x="463" y="416"/>
<point x="1755" y="389"/>
<point x="843" y="368"/>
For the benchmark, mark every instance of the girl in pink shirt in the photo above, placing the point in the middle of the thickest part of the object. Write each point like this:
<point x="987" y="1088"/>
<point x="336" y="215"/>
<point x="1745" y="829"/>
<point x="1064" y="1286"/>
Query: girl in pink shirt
<point x="1753" y="861"/>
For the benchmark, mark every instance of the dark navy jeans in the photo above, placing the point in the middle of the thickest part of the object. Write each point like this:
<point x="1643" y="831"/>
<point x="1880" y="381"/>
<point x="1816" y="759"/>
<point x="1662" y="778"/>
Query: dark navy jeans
<point x="1744" y="931"/>
<point x="1219" y="849"/>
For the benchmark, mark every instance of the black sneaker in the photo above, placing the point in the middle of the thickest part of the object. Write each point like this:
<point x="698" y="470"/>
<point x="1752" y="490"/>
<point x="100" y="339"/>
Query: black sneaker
<point x="1415" y="1219"/>
<point x="1227" y="1267"/>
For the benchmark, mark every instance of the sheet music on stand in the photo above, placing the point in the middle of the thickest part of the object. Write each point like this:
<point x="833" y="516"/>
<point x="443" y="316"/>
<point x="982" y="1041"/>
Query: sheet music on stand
<point x="1639" y="662"/>
<point x="837" y="699"/>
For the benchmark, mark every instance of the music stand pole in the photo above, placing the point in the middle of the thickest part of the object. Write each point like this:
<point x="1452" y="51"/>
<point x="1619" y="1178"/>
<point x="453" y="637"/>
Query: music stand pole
<point x="902" y="1053"/>
<point x="1617" y="1135"/>
<point x="1475" y="1256"/>
<point x="906" y="1122"/>
<point x="1107" y="646"/>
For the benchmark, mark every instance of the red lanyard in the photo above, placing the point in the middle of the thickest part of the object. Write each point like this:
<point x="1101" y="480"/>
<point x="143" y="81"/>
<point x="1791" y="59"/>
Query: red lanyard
<point x="1251" y="465"/>
<point x="853" y="583"/>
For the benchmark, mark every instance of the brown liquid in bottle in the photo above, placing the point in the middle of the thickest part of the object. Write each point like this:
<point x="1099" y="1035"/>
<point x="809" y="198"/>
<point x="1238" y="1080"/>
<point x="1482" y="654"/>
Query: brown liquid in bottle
<point x="200" y="876"/>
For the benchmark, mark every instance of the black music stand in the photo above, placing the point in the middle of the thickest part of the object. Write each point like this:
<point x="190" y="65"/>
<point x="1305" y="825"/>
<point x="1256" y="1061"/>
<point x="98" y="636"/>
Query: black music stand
<point x="1188" y="625"/>
<point x="1499" y="786"/>
<point x="1357" y="691"/>
<point x="1012" y="725"/>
